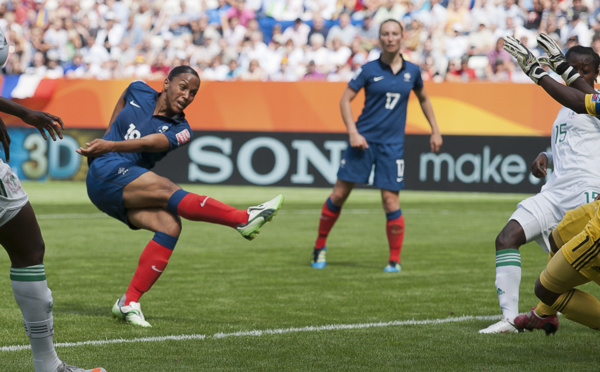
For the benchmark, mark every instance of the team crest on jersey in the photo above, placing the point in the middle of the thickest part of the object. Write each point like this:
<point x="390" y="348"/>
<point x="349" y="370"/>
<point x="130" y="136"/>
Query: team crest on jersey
<point x="407" y="76"/>
<point x="183" y="137"/>
<point x="358" y="71"/>
<point x="163" y="129"/>
<point x="595" y="98"/>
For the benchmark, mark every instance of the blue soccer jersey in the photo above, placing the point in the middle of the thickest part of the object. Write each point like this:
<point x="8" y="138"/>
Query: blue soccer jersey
<point x="383" y="118"/>
<point x="136" y="120"/>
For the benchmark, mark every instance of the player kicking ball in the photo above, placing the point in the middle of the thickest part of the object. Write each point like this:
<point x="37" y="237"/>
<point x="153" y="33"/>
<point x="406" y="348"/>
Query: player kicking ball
<point x="145" y="126"/>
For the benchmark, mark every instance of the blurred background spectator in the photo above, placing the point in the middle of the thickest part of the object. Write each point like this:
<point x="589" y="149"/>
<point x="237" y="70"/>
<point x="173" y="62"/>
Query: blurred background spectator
<point x="282" y="40"/>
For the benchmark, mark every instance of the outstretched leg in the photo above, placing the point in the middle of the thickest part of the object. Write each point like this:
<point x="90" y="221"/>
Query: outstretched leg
<point x="153" y="191"/>
<point x="204" y="208"/>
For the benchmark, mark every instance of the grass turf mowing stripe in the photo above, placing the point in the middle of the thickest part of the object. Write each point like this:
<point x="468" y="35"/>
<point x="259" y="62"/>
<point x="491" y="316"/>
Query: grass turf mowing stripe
<point x="313" y="211"/>
<point x="332" y="327"/>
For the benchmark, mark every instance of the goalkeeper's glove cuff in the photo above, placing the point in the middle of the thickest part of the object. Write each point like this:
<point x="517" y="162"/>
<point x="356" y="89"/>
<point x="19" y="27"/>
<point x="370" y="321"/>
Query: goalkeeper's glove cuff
<point x="536" y="73"/>
<point x="570" y="75"/>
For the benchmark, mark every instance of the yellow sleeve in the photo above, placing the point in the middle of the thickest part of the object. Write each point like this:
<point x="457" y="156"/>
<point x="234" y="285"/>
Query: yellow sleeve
<point x="592" y="103"/>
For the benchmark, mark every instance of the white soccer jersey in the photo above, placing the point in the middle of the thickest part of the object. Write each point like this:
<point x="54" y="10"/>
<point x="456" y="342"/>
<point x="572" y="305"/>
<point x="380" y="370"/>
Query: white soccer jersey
<point x="575" y="179"/>
<point x="12" y="195"/>
<point x="575" y="151"/>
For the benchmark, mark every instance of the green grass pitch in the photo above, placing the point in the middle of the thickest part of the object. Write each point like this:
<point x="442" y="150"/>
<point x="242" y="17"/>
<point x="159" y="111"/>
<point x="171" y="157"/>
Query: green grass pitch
<point x="226" y="304"/>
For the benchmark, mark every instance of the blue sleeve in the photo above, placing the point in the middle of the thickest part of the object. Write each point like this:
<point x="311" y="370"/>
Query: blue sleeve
<point x="179" y="135"/>
<point x="129" y="92"/>
<point x="418" y="80"/>
<point x="359" y="80"/>
<point x="136" y="88"/>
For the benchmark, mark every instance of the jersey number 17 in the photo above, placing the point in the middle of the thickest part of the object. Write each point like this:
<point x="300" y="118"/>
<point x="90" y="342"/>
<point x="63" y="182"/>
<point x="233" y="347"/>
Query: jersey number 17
<point x="391" y="100"/>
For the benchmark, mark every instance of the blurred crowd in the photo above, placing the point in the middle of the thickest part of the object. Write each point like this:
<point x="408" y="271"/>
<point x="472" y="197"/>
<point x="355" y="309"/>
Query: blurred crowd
<point x="281" y="40"/>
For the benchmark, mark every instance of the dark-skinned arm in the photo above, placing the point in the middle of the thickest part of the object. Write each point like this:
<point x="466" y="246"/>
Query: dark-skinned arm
<point x="565" y="95"/>
<point x="582" y="86"/>
<point x="43" y="121"/>
<point x="38" y="119"/>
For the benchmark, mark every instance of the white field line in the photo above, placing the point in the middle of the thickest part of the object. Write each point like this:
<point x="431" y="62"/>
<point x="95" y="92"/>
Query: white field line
<point x="258" y="333"/>
<point x="76" y="216"/>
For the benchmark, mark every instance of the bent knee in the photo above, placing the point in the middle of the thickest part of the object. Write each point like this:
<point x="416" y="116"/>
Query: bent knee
<point x="339" y="197"/>
<point x="512" y="236"/>
<point x="507" y="241"/>
<point x="173" y="228"/>
<point x="544" y="294"/>
<point x="168" y="223"/>
<point x="27" y="255"/>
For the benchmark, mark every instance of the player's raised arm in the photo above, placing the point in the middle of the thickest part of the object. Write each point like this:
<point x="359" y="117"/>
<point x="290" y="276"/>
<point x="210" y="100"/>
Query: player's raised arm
<point x="565" y="95"/>
<point x="557" y="61"/>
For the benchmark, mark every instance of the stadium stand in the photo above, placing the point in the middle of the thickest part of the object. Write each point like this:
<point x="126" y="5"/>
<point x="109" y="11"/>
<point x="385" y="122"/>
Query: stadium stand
<point x="127" y="39"/>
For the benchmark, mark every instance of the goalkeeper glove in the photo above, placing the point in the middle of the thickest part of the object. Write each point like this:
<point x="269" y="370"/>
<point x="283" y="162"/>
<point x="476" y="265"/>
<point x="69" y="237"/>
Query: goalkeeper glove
<point x="529" y="64"/>
<point x="556" y="59"/>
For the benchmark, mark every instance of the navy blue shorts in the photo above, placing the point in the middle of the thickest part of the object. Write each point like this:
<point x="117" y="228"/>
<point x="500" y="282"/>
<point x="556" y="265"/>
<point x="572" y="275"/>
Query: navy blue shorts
<point x="386" y="161"/>
<point x="105" y="181"/>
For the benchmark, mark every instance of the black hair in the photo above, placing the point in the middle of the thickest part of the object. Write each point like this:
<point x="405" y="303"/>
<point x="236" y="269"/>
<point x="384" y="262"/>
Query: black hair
<point x="183" y="69"/>
<point x="585" y="51"/>
<point x="392" y="20"/>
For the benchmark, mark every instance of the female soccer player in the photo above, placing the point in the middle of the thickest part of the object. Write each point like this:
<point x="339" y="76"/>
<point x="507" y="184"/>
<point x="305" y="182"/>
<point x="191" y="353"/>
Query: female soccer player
<point x="21" y="237"/>
<point x="574" y="181"/>
<point x="377" y="139"/>
<point x="146" y="125"/>
<point x="574" y="242"/>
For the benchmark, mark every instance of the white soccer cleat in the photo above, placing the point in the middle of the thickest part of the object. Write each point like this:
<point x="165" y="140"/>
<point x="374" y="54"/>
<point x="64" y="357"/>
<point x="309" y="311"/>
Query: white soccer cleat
<point x="131" y="313"/>
<point x="503" y="326"/>
<point x="259" y="215"/>
<point x="67" y="368"/>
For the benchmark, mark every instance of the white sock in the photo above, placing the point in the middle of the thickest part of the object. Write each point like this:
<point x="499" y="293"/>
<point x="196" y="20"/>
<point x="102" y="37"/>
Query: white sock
<point x="35" y="301"/>
<point x="508" y="279"/>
